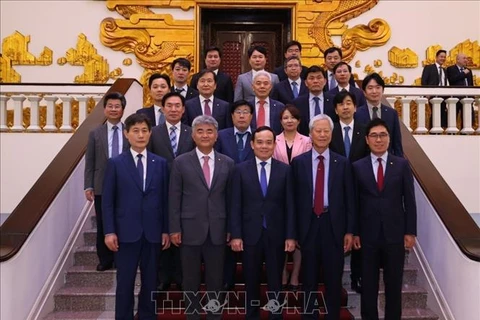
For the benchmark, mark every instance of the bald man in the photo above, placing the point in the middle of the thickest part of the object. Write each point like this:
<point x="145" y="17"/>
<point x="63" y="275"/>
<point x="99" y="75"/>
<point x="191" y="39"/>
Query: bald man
<point x="460" y="75"/>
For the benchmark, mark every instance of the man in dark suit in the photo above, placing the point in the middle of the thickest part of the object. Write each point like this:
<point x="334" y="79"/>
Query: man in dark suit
<point x="387" y="220"/>
<point x="135" y="218"/>
<point x="104" y="142"/>
<point x="373" y="86"/>
<point x="292" y="49"/>
<point x="316" y="101"/>
<point x="322" y="180"/>
<point x="292" y="87"/>
<point x="198" y="213"/>
<point x="262" y="219"/>
<point x="213" y="59"/>
<point x="168" y="141"/>
<point x="267" y="110"/>
<point x="348" y="140"/>
<point x="159" y="85"/>
<point x="332" y="57"/>
<point x="181" y="70"/>
<point x="343" y="72"/>
<point x="435" y="75"/>
<point x="207" y="103"/>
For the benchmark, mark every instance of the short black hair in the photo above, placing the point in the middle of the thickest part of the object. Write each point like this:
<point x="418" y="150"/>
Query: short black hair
<point x="373" y="76"/>
<point x="158" y="76"/>
<point x="374" y="123"/>
<point x="173" y="94"/>
<point x="182" y="62"/>
<point x="204" y="72"/>
<point x="340" y="97"/>
<point x="136" y="118"/>
<point x="260" y="49"/>
<point x="332" y="50"/>
<point x="292" y="58"/>
<point x="263" y="128"/>
<point x="293" y="111"/>
<point x="291" y="44"/>
<point x="342" y="63"/>
<point x="115" y="96"/>
<point x="440" y="51"/>
<point x="241" y="103"/>
<point x="213" y="48"/>
<point x="314" y="69"/>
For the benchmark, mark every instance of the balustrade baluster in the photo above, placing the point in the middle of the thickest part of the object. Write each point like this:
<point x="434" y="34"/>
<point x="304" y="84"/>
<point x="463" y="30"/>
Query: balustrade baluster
<point x="50" y="115"/>
<point x="467" y="116"/>
<point x="406" y="112"/>
<point x="3" y="113"/>
<point x="67" y="113"/>
<point x="82" y="108"/>
<point x="18" y="113"/>
<point x="421" y="125"/>
<point x="452" y="115"/>
<point x="436" y="115"/>
<point x="34" y="114"/>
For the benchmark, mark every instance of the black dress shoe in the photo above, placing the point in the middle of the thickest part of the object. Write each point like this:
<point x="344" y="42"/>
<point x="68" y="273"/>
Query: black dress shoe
<point x="228" y="287"/>
<point x="356" y="285"/>
<point x="103" y="267"/>
<point x="163" y="286"/>
<point x="293" y="288"/>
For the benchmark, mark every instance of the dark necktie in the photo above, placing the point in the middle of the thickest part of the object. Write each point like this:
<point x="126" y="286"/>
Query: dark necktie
<point x="346" y="141"/>
<point x="173" y="139"/>
<point x="115" y="146"/>
<point x="343" y="90"/>
<point x="140" y="168"/>
<point x="208" y="111"/>
<point x="295" y="89"/>
<point x="380" y="175"/>
<point x="374" y="113"/>
<point x="317" y="105"/>
<point x="240" y="145"/>
<point x="440" y="76"/>
<point x="319" y="187"/>
<point x="466" y="80"/>
<point x="264" y="185"/>
<point x="179" y="90"/>
<point x="332" y="83"/>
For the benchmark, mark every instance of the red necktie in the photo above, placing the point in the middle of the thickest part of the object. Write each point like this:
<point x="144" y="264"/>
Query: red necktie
<point x="208" y="111"/>
<point x="261" y="114"/>
<point x="319" y="187"/>
<point x="380" y="175"/>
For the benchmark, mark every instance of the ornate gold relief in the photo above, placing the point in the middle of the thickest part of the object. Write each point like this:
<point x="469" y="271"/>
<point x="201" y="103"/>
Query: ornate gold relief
<point x="96" y="68"/>
<point x="470" y="49"/>
<point x="394" y="79"/>
<point x="127" y="62"/>
<point x="402" y="58"/>
<point x="15" y="47"/>
<point x="7" y="73"/>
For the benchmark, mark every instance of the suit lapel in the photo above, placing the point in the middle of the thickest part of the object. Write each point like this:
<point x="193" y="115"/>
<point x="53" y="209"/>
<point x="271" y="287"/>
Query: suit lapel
<point x="132" y="168"/>
<point x="356" y="136"/>
<point x="151" y="165"/>
<point x="309" y="167"/>
<point x="182" y="140"/>
<point x="217" y="169"/>
<point x="166" y="139"/>
<point x="104" y="140"/>
<point x="254" y="176"/>
<point x="389" y="166"/>
<point x="371" y="175"/>
<point x="332" y="170"/>
<point x="338" y="138"/>
<point x="197" y="108"/>
<point x="297" y="143"/>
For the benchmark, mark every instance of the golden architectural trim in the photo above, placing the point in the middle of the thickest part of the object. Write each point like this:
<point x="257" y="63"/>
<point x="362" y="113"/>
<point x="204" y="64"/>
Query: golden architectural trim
<point x="402" y="58"/>
<point x="15" y="47"/>
<point x="7" y="73"/>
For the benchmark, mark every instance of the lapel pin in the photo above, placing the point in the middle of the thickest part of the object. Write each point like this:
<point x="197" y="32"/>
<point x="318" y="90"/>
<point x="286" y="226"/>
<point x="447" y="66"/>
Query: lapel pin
<point x="391" y="162"/>
<point x="335" y="160"/>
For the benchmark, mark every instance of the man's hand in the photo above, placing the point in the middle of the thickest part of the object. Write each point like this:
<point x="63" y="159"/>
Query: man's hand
<point x="236" y="244"/>
<point x="111" y="241"/>
<point x="347" y="242"/>
<point x="176" y="238"/>
<point x="466" y="71"/>
<point x="90" y="195"/>
<point x="165" y="241"/>
<point x="357" y="244"/>
<point x="289" y="245"/>
<point x="409" y="241"/>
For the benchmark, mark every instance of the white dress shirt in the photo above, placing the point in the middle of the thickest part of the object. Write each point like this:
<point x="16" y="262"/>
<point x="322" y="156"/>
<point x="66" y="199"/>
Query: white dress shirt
<point x="370" y="110"/>
<point x="347" y="87"/>
<point x="375" y="164"/>
<point x="267" y="110"/>
<point x="144" y="162"/>
<point x="110" y="137"/>
<point x="211" y="162"/>
<point x="158" y="112"/>
<point x="268" y="168"/>
<point x="326" y="163"/>
<point x="443" y="81"/>
<point x="202" y="103"/>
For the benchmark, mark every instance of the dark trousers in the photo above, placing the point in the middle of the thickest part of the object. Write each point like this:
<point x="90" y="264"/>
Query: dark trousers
<point x="128" y="258"/>
<point x="253" y="256"/>
<point x="105" y="256"/>
<point x="391" y="257"/>
<point x="213" y="257"/>
<point x="320" y="248"/>
<point x="356" y="264"/>
<point x="170" y="266"/>
<point x="230" y="266"/>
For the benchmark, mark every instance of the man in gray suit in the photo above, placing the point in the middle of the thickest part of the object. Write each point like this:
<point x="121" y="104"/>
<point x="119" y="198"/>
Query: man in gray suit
<point x="104" y="142"/>
<point x="257" y="56"/>
<point x="198" y="213"/>
<point x="170" y="140"/>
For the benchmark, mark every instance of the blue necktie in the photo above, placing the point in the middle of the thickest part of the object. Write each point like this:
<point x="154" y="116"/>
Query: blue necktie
<point x="173" y="139"/>
<point x="295" y="89"/>
<point x="317" y="105"/>
<point x="264" y="185"/>
<point x="161" y="118"/>
<point x="140" y="168"/>
<point x="115" y="146"/>
<point x="346" y="141"/>
<point x="332" y="83"/>
<point x="240" y="145"/>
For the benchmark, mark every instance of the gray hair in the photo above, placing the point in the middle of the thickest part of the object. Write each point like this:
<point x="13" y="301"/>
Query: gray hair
<point x="320" y="117"/>
<point x="204" y="120"/>
<point x="263" y="73"/>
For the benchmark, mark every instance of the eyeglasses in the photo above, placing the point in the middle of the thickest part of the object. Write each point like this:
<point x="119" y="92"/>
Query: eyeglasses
<point x="375" y="136"/>
<point x="242" y="112"/>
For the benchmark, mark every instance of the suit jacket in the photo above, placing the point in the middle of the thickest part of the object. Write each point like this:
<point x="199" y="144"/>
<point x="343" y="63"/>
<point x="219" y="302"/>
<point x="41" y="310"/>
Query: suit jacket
<point x="194" y="209"/>
<point x="227" y="145"/>
<point x="457" y="78"/>
<point x="283" y="91"/>
<point x="96" y="157"/>
<point x="220" y="111"/>
<point x="150" y="113"/>
<point x="191" y="92"/>
<point x="340" y="195"/>
<point x="249" y="206"/>
<point x="280" y="72"/>
<point x="224" y="88"/>
<point x="430" y="75"/>
<point x="393" y="209"/>
<point x="303" y="104"/>
<point x="128" y="210"/>
<point x="390" y="116"/>
<point x="160" y="142"/>
<point x="301" y="144"/>
<point x="243" y="87"/>
<point x="359" y="96"/>
<point x="358" y="145"/>
<point x="275" y="108"/>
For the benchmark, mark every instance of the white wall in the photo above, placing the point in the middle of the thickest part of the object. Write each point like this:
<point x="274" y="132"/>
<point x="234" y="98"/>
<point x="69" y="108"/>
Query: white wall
<point x="56" y="24"/>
